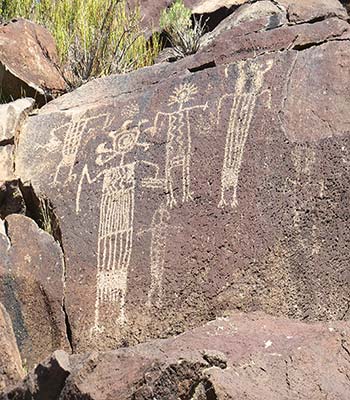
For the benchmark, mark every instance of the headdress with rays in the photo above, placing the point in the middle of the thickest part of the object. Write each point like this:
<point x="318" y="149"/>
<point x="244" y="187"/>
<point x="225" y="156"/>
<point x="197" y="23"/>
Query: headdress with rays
<point x="183" y="94"/>
<point x="130" y="110"/>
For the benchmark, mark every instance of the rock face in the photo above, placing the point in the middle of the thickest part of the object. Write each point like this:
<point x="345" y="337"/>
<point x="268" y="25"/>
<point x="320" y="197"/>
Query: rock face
<point x="31" y="288"/>
<point x="11" y="369"/>
<point x="31" y="70"/>
<point x="218" y="182"/>
<point x="236" y="357"/>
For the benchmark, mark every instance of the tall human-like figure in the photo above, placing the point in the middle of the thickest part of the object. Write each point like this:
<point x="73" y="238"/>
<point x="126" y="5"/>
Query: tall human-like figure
<point x="115" y="232"/>
<point x="179" y="141"/>
<point x="243" y="101"/>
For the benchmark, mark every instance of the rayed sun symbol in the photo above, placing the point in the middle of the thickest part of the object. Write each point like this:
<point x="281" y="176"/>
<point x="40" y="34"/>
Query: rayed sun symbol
<point x="183" y="94"/>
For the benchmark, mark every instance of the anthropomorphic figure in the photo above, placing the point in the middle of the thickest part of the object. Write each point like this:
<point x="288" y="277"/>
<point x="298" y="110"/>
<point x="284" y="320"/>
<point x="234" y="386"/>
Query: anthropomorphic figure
<point x="178" y="140"/>
<point x="242" y="104"/>
<point x="115" y="232"/>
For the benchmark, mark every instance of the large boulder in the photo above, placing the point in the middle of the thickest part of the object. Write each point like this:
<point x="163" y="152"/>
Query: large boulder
<point x="217" y="182"/>
<point x="11" y="369"/>
<point x="236" y="357"/>
<point x="32" y="288"/>
<point x="31" y="70"/>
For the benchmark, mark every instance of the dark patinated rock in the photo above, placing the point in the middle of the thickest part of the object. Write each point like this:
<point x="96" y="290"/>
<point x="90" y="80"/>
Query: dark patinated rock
<point x="11" y="369"/>
<point x="31" y="288"/>
<point x="236" y="357"/>
<point x="45" y="382"/>
<point x="31" y="70"/>
<point x="218" y="182"/>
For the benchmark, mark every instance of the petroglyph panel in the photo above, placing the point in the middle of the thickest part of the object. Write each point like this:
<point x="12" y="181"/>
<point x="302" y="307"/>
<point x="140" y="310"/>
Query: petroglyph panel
<point x="181" y="198"/>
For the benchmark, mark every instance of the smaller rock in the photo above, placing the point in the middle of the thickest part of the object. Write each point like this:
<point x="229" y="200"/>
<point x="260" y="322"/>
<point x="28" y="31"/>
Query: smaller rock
<point x="11" y="199"/>
<point x="12" y="116"/>
<point x="308" y="10"/>
<point x="255" y="17"/>
<point x="210" y="6"/>
<point x="31" y="288"/>
<point x="11" y="369"/>
<point x="31" y="69"/>
<point x="45" y="382"/>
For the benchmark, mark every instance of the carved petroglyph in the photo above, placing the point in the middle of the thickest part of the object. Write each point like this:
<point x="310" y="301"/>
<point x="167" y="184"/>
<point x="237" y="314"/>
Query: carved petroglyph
<point x="115" y="233"/>
<point x="159" y="231"/>
<point x="74" y="131"/>
<point x="248" y="87"/>
<point x="178" y="145"/>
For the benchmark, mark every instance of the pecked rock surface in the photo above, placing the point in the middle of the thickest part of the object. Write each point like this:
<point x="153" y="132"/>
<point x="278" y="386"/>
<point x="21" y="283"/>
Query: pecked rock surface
<point x="236" y="357"/>
<point x="31" y="288"/>
<point x="218" y="182"/>
<point x="31" y="70"/>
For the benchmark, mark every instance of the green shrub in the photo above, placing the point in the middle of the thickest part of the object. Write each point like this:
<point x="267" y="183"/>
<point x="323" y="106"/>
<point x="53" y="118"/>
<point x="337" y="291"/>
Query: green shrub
<point x="184" y="36"/>
<point x="94" y="37"/>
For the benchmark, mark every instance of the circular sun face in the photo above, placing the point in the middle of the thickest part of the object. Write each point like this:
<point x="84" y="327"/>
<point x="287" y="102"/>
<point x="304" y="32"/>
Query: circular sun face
<point x="183" y="94"/>
<point x="127" y="141"/>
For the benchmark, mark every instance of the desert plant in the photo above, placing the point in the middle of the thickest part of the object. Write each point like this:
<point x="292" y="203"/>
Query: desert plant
<point x="183" y="34"/>
<point x="94" y="37"/>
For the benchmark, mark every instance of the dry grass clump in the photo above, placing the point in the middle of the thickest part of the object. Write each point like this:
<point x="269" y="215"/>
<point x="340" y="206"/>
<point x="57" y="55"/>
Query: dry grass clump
<point x="183" y="33"/>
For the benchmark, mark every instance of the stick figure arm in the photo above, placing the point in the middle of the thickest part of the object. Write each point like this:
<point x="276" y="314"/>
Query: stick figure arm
<point x="154" y="128"/>
<point x="222" y="99"/>
<point x="268" y="94"/>
<point x="85" y="174"/>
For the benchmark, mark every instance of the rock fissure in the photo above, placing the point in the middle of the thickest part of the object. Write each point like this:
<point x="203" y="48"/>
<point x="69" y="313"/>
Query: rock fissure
<point x="7" y="142"/>
<point x="208" y="65"/>
<point x="310" y="45"/>
<point x="42" y="212"/>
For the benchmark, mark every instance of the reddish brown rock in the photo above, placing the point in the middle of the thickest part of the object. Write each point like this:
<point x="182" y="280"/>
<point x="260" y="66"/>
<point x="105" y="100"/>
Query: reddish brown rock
<point x="11" y="369"/>
<point x="309" y="10"/>
<point x="31" y="70"/>
<point x="237" y="357"/>
<point x="31" y="288"/>
<point x="188" y="189"/>
<point x="45" y="382"/>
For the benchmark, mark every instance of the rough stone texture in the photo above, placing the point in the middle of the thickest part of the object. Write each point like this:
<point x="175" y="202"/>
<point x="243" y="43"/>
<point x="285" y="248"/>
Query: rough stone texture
<point x="237" y="357"/>
<point x="298" y="10"/>
<point x="31" y="288"/>
<point x="45" y="382"/>
<point x="11" y="199"/>
<point x="218" y="182"/>
<point x="31" y="69"/>
<point x="6" y="163"/>
<point x="12" y="116"/>
<point x="308" y="10"/>
<point x="11" y="369"/>
<point x="257" y="16"/>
